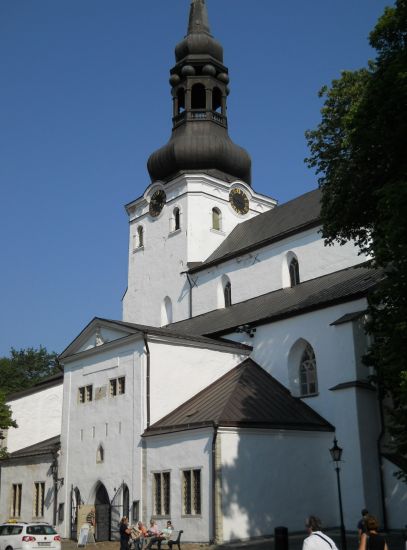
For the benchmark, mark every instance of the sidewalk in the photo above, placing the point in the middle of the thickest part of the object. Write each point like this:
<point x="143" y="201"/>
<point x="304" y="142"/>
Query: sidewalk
<point x="395" y="542"/>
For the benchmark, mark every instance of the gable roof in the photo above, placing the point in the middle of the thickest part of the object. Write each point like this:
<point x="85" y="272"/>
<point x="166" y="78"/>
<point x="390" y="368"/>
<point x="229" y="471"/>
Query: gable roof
<point x="48" y="446"/>
<point x="341" y="286"/>
<point x="136" y="329"/>
<point x="248" y="397"/>
<point x="282" y="221"/>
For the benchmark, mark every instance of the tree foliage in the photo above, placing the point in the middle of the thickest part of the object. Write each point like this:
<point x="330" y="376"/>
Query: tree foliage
<point x="26" y="367"/>
<point x="22" y="370"/>
<point x="359" y="151"/>
<point x="6" y="421"/>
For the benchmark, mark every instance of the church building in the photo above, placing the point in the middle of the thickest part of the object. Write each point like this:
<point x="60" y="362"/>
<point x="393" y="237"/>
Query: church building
<point x="214" y="401"/>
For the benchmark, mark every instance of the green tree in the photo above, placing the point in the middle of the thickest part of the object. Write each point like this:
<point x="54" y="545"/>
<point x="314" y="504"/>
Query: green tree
<point x="6" y="421"/>
<point x="26" y="367"/>
<point x="359" y="152"/>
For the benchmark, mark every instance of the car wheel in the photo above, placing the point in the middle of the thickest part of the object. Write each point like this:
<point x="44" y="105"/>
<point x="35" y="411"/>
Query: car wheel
<point x="9" y="548"/>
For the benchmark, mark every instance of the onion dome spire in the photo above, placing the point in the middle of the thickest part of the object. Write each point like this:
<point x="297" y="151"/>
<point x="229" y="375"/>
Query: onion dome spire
<point x="199" y="88"/>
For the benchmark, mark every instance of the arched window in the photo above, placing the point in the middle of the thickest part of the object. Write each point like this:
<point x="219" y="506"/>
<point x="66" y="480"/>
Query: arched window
<point x="166" y="311"/>
<point x="308" y="372"/>
<point x="294" y="269"/>
<point x="216" y="99"/>
<point x="227" y="292"/>
<point x="198" y="96"/>
<point x="176" y="219"/>
<point x="181" y="100"/>
<point x="126" y="501"/>
<point x="140" y="236"/>
<point x="216" y="219"/>
<point x="100" y="454"/>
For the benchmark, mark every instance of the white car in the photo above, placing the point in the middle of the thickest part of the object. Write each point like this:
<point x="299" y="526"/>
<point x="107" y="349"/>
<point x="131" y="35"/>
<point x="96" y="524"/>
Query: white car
<point x="28" y="536"/>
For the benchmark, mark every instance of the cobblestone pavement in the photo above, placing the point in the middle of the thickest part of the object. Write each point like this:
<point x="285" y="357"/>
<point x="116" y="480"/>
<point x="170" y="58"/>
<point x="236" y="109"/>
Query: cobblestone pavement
<point x="395" y="542"/>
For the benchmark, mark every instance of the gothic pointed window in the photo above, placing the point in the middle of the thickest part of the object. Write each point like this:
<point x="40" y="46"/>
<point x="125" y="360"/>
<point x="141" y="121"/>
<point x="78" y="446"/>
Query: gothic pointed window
<point x="294" y="269"/>
<point x="166" y="311"/>
<point x="308" y="372"/>
<point x="228" y="294"/>
<point x="100" y="454"/>
<point x="216" y="219"/>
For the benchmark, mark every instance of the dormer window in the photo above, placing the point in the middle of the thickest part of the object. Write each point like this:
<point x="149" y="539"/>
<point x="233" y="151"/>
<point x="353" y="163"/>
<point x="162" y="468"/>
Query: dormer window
<point x="216" y="219"/>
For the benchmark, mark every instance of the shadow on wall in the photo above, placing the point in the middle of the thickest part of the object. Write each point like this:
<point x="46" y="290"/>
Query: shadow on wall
<point x="274" y="477"/>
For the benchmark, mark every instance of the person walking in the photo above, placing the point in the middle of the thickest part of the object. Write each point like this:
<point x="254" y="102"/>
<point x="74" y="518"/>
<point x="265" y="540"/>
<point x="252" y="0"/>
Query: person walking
<point x="362" y="523"/>
<point x="371" y="540"/>
<point x="316" y="539"/>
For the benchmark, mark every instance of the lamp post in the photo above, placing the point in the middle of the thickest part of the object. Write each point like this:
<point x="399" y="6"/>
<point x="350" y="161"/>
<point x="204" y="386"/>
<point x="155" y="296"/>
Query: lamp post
<point x="336" y="454"/>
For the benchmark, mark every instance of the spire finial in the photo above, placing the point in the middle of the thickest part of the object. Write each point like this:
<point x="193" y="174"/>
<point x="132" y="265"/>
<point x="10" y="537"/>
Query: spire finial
<point x="198" y="17"/>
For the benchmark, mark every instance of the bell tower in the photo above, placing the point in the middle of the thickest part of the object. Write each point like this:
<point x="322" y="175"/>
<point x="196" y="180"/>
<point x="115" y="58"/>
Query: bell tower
<point x="200" y="185"/>
<point x="199" y="86"/>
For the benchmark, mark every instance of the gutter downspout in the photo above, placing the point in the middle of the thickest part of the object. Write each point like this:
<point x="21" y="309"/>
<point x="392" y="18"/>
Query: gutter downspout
<point x="191" y="284"/>
<point x="380" y="458"/>
<point x="55" y="485"/>
<point x="147" y="378"/>
<point x="214" y="484"/>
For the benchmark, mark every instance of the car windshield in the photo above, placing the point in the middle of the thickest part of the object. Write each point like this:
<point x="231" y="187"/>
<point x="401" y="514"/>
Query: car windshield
<point x="40" y="530"/>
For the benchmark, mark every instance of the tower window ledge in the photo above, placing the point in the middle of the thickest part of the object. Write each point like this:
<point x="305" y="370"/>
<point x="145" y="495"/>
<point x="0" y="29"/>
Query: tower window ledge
<point x="175" y="232"/>
<point x="218" y="231"/>
<point x="138" y="249"/>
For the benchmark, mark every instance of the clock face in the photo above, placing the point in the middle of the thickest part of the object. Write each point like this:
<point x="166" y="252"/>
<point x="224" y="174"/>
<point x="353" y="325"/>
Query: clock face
<point x="239" y="201"/>
<point x="157" y="202"/>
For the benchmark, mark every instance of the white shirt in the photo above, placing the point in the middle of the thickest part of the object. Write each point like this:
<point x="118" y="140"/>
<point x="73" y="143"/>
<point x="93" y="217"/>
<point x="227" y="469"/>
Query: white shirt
<point x="318" y="541"/>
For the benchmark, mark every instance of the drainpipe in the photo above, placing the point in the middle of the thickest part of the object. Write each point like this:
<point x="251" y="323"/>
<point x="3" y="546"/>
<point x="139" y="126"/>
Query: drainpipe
<point x="147" y="378"/>
<point x="54" y="469"/>
<point x="379" y="456"/>
<point x="191" y="284"/>
<point x="214" y="476"/>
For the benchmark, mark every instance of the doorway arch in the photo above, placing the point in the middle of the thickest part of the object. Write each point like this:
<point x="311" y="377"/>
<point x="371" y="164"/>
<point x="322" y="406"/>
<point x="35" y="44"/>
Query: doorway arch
<point x="102" y="506"/>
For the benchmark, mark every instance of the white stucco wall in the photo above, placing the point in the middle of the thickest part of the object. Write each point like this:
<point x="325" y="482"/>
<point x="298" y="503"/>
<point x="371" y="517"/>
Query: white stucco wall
<point x="179" y="372"/>
<point x="294" y="478"/>
<point x="26" y="473"/>
<point x="113" y="422"/>
<point x="352" y="411"/>
<point x="175" y="453"/>
<point x="155" y="270"/>
<point x="265" y="270"/>
<point x="38" y="416"/>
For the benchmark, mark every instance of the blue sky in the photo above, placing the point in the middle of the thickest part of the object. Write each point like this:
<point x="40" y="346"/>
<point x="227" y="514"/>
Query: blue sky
<point x="84" y="100"/>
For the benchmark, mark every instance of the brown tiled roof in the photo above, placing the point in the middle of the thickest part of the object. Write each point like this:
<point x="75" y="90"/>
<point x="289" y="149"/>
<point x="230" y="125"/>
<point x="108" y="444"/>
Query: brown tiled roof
<point x="45" y="447"/>
<point x="341" y="286"/>
<point x="247" y="396"/>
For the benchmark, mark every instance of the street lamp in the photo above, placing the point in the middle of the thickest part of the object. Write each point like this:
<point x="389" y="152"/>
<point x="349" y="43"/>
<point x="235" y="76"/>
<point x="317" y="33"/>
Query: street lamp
<point x="336" y="454"/>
